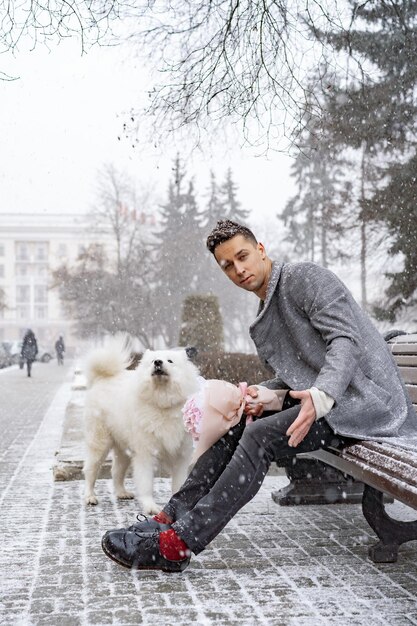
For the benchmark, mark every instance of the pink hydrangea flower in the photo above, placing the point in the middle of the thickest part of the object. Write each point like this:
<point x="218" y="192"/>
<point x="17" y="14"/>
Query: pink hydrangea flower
<point x="192" y="415"/>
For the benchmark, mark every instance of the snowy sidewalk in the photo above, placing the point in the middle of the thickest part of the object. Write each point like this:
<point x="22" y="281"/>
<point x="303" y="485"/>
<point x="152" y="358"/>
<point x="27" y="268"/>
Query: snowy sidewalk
<point x="271" y="565"/>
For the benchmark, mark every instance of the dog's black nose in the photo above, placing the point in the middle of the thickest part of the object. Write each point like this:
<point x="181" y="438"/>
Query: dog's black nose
<point x="157" y="363"/>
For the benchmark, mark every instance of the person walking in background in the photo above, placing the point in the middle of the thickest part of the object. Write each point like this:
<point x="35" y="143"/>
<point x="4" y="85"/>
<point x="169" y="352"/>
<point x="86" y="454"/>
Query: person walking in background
<point x="29" y="349"/>
<point x="60" y="349"/>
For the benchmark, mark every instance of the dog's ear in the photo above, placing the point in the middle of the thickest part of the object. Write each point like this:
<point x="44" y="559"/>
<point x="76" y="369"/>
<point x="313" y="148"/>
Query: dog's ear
<point x="191" y="352"/>
<point x="135" y="360"/>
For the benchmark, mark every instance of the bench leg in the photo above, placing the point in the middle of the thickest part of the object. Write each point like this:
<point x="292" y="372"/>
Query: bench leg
<point x="314" y="482"/>
<point x="391" y="532"/>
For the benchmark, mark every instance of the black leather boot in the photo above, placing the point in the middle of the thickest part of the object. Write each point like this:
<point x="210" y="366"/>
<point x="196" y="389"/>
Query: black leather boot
<point x="139" y="550"/>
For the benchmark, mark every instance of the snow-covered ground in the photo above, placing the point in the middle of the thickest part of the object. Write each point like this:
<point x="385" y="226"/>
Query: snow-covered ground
<point x="272" y="565"/>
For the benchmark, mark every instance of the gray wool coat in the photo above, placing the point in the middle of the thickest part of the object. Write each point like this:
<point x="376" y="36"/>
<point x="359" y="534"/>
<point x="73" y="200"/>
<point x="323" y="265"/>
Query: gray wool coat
<point x="312" y="332"/>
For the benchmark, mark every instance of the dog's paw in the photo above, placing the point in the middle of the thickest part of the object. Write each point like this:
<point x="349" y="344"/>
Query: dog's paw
<point x="149" y="507"/>
<point x="125" y="495"/>
<point x="91" y="500"/>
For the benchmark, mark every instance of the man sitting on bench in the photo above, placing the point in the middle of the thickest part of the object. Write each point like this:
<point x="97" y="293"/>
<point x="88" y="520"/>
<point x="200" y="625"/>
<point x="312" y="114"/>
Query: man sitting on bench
<point x="343" y="385"/>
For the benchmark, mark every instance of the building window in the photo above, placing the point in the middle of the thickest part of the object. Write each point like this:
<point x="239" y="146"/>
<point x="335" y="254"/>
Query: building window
<point x="41" y="293"/>
<point x="1" y="271"/>
<point x="41" y="312"/>
<point x="22" y="293"/>
<point x="22" y="251"/>
<point x="41" y="251"/>
<point x="22" y="269"/>
<point x="22" y="312"/>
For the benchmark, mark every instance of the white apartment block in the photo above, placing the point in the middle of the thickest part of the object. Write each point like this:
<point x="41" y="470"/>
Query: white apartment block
<point x="31" y="247"/>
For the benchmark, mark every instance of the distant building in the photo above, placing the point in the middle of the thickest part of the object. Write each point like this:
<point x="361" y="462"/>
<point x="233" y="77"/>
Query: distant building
<point x="31" y="247"/>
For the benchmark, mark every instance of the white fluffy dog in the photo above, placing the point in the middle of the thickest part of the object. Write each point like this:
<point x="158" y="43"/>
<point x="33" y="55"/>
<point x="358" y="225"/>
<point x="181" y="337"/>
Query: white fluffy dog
<point x="137" y="414"/>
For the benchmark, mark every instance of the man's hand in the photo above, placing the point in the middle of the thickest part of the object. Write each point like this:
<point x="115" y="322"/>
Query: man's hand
<point x="253" y="409"/>
<point x="306" y="417"/>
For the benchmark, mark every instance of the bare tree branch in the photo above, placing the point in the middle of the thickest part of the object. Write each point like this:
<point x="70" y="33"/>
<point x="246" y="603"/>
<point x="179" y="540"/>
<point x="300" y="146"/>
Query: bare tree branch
<point x="236" y="61"/>
<point x="46" y="22"/>
<point x="215" y="62"/>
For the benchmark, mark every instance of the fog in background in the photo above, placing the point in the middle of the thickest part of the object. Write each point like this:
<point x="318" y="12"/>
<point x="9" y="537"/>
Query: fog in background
<point x="295" y="123"/>
<point x="67" y="115"/>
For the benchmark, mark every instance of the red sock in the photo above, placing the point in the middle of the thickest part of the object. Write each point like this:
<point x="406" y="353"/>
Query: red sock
<point x="162" y="518"/>
<point x="172" y="547"/>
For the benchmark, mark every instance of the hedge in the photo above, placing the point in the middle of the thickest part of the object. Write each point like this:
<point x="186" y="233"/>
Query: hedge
<point x="234" y="367"/>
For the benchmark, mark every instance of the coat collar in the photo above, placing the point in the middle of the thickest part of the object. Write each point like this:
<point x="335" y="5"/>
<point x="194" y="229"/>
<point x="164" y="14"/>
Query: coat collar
<point x="272" y="285"/>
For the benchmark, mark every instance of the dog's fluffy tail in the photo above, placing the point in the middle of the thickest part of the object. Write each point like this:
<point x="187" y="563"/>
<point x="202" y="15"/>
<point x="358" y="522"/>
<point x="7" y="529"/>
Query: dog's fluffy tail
<point x="110" y="360"/>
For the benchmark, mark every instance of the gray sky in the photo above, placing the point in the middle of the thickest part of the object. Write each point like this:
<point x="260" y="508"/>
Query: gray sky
<point x="60" y="123"/>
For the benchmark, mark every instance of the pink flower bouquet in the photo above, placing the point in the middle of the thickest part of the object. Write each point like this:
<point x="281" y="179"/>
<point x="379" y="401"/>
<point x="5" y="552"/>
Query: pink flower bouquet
<point x="218" y="406"/>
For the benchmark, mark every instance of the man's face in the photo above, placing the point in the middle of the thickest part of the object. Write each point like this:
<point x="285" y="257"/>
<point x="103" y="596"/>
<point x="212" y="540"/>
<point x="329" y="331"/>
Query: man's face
<point x="244" y="262"/>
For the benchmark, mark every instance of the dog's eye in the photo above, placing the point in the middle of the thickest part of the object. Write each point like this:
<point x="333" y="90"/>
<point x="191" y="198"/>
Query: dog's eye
<point x="169" y="361"/>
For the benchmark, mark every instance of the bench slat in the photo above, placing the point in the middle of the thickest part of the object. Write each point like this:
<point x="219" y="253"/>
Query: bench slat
<point x="400" y="467"/>
<point x="411" y="338"/>
<point x="412" y="392"/>
<point x="404" y="348"/>
<point x="400" y="454"/>
<point x="409" y="374"/>
<point x="406" y="359"/>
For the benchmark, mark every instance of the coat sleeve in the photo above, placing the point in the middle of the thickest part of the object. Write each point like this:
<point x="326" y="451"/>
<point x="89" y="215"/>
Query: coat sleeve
<point x="274" y="383"/>
<point x="326" y="302"/>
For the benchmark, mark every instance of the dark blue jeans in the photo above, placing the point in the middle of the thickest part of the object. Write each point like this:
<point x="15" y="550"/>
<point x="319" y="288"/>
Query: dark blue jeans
<point x="231" y="472"/>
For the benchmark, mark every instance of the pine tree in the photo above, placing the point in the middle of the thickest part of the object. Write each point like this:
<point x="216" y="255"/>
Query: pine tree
<point x="396" y="202"/>
<point x="228" y="199"/>
<point x="316" y="216"/>
<point x="214" y="209"/>
<point x="179" y="251"/>
<point x="376" y="113"/>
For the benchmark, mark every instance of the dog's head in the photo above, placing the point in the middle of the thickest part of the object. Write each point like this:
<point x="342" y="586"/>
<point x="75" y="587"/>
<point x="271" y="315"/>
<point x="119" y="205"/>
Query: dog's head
<point x="167" y="377"/>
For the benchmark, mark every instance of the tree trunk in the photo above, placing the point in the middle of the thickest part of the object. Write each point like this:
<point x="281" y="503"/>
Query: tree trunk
<point x="323" y="239"/>
<point x="364" y="297"/>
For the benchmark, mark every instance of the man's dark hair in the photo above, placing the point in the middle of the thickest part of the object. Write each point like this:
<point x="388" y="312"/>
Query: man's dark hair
<point x="225" y="230"/>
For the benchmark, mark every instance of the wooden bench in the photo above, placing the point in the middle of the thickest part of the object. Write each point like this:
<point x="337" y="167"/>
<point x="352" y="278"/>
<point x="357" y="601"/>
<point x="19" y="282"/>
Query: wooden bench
<point x="384" y="469"/>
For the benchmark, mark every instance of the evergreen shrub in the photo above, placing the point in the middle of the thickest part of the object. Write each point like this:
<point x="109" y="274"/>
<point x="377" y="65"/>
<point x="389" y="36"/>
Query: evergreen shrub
<point x="202" y="324"/>
<point x="235" y="367"/>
